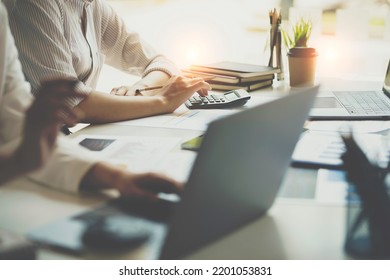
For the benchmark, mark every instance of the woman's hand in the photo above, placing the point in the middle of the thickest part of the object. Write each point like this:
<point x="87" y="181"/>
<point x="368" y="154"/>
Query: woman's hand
<point x="147" y="185"/>
<point x="132" y="90"/>
<point x="105" y="176"/>
<point x="178" y="89"/>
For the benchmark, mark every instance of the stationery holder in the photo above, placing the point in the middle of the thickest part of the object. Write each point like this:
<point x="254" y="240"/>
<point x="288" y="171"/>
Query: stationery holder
<point x="368" y="209"/>
<point x="275" y="43"/>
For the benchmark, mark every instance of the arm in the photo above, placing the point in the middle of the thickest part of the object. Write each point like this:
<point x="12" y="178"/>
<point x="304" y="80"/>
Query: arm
<point x="154" y="78"/>
<point x="105" y="176"/>
<point x="43" y="119"/>
<point x="100" y="107"/>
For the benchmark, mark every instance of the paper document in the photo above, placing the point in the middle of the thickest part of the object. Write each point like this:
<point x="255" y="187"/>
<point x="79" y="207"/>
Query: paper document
<point x="346" y="126"/>
<point x="332" y="187"/>
<point x="141" y="154"/>
<point x="78" y="127"/>
<point x="184" y="118"/>
<point x="325" y="149"/>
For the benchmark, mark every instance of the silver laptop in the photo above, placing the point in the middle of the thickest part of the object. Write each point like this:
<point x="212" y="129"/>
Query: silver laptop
<point x="349" y="105"/>
<point x="234" y="180"/>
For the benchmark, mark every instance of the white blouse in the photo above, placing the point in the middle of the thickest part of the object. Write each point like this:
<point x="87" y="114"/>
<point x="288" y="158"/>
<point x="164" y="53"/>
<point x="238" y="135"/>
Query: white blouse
<point x="73" y="38"/>
<point x="69" y="162"/>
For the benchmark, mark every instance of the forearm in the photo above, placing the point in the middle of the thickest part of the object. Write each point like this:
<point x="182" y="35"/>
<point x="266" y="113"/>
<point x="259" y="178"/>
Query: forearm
<point x="101" y="176"/>
<point x="155" y="78"/>
<point x="105" y="176"/>
<point x="103" y="108"/>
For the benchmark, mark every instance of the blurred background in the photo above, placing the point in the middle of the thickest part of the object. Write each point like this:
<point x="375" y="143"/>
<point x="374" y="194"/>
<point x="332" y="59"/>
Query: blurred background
<point x="351" y="36"/>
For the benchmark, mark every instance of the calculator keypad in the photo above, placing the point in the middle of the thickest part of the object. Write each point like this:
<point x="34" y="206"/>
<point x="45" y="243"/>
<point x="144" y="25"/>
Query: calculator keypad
<point x="211" y="99"/>
<point x="217" y="100"/>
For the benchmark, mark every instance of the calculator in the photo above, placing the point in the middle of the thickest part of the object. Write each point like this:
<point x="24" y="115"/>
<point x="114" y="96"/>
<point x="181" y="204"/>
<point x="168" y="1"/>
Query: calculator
<point x="233" y="98"/>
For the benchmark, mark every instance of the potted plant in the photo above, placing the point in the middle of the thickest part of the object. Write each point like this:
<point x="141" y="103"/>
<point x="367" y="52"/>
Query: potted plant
<point x="301" y="58"/>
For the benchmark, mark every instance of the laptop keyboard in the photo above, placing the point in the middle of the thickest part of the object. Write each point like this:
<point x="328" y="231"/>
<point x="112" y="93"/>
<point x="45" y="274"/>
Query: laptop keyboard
<point x="364" y="102"/>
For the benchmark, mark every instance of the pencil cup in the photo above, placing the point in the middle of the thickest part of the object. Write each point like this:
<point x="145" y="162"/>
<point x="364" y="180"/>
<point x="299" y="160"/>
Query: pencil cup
<point x="302" y="66"/>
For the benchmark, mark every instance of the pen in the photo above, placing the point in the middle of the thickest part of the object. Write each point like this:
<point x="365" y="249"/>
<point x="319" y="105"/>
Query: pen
<point x="65" y="130"/>
<point x="139" y="91"/>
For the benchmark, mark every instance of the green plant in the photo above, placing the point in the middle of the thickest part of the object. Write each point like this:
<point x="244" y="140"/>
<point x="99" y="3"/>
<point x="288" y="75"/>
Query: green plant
<point x="301" y="32"/>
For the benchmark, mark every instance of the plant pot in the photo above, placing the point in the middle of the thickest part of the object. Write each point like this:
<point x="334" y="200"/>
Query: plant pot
<point x="302" y="66"/>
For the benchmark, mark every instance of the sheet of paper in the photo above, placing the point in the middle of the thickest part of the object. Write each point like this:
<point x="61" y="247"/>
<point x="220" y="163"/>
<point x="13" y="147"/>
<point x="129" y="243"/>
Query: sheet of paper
<point x="332" y="187"/>
<point x="78" y="127"/>
<point x="142" y="154"/>
<point x="325" y="149"/>
<point x="184" y="118"/>
<point x="176" y="165"/>
<point x="345" y="126"/>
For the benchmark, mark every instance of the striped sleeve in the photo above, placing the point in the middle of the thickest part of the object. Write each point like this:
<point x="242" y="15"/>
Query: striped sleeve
<point x="44" y="52"/>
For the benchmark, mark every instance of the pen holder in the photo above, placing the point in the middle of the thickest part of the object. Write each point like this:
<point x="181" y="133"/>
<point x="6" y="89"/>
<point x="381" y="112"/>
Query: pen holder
<point x="275" y="58"/>
<point x="275" y="43"/>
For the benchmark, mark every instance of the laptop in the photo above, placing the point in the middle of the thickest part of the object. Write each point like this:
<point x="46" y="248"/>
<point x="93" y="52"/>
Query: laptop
<point x="234" y="180"/>
<point x="354" y="105"/>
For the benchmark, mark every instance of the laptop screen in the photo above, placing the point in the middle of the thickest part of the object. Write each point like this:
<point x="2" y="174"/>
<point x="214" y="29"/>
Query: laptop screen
<point x="386" y="86"/>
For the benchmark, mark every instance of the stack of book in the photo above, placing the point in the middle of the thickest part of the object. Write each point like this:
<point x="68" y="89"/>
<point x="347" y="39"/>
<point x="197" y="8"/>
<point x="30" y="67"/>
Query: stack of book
<point x="227" y="75"/>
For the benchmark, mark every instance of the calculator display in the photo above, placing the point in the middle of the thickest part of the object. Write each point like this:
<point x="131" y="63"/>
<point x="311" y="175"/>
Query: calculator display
<point x="230" y="95"/>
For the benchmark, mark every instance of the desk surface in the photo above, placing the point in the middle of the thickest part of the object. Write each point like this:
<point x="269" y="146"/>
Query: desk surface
<point x="294" y="228"/>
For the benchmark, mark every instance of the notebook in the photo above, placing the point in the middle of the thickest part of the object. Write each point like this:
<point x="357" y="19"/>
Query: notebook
<point x="234" y="180"/>
<point x="236" y="69"/>
<point x="349" y="105"/>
